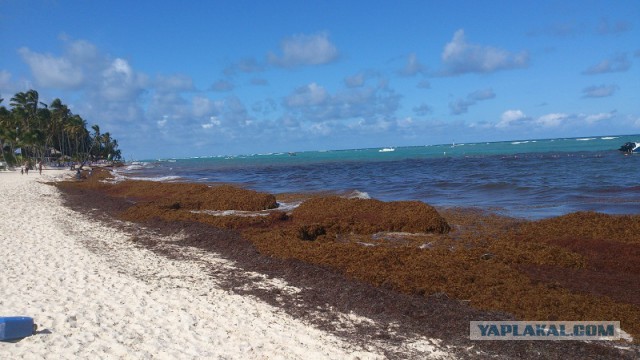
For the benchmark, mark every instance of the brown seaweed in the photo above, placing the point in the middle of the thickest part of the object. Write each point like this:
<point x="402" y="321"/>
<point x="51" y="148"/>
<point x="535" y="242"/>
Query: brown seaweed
<point x="581" y="266"/>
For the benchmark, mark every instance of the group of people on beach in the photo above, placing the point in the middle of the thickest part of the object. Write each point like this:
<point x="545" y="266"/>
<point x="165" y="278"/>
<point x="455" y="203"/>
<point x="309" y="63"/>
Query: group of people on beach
<point x="24" y="170"/>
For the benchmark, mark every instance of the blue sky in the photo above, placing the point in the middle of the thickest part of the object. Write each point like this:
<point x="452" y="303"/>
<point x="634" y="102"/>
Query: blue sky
<point x="179" y="79"/>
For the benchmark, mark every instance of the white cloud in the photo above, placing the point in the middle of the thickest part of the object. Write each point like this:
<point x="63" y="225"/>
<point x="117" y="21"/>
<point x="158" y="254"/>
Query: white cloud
<point x="422" y="110"/>
<point x="301" y="49"/>
<point x="52" y="72"/>
<point x="412" y="66"/>
<point x="248" y="65"/>
<point x="202" y="106"/>
<point x="313" y="103"/>
<point x="594" y="118"/>
<point x="310" y="95"/>
<point x="108" y="89"/>
<point x="461" y="106"/>
<point x="214" y="121"/>
<point x="169" y="106"/>
<point x="460" y="57"/>
<point x="509" y="117"/>
<point x="617" y="63"/>
<point x="406" y="122"/>
<point x="321" y="129"/>
<point x="234" y="114"/>
<point x="178" y="82"/>
<point x="265" y="107"/>
<point x="83" y="52"/>
<point x="5" y="81"/>
<point x="360" y="79"/>
<point x="517" y="120"/>
<point x="551" y="120"/>
<point x="121" y="83"/>
<point x="163" y="122"/>
<point x="480" y="95"/>
<point x="356" y="80"/>
<point x="599" y="91"/>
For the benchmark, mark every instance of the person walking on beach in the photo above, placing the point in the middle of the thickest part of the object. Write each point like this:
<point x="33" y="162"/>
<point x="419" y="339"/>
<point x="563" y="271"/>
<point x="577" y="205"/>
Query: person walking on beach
<point x="40" y="167"/>
<point x="26" y="168"/>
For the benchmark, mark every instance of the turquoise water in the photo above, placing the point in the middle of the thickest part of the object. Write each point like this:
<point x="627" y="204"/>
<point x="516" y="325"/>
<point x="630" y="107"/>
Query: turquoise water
<point x="527" y="178"/>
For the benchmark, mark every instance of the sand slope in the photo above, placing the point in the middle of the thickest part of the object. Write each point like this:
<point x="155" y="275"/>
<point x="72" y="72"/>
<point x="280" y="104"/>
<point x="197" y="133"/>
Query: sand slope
<point x="94" y="294"/>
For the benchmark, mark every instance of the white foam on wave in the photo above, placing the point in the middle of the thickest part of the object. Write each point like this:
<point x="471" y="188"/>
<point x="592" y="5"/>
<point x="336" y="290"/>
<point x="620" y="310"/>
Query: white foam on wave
<point x="356" y="194"/>
<point x="159" y="178"/>
<point x="137" y="165"/>
<point x="231" y="213"/>
<point x="519" y="142"/>
<point x="387" y="150"/>
<point x="585" y="139"/>
<point x="118" y="177"/>
<point x="608" y="137"/>
<point x="283" y="206"/>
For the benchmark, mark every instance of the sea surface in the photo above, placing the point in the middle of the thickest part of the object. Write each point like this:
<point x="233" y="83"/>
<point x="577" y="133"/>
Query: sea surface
<point x="530" y="179"/>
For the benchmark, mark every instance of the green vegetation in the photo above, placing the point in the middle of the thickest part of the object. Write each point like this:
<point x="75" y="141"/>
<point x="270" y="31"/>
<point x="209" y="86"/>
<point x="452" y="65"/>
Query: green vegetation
<point x="33" y="131"/>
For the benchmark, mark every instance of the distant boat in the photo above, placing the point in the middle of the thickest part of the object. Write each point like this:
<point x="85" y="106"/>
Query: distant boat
<point x="292" y="154"/>
<point x="388" y="149"/>
<point x="630" y="147"/>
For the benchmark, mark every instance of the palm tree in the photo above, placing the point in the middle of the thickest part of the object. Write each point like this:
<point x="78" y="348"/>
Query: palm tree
<point x="25" y="110"/>
<point x="60" y="114"/>
<point x="110" y="149"/>
<point x="96" y="144"/>
<point x="6" y="133"/>
<point x="105" y="142"/>
<point x="37" y="128"/>
<point x="76" y="129"/>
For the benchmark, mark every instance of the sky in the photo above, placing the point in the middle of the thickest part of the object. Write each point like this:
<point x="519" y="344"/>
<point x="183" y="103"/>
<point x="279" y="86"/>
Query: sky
<point x="204" y="78"/>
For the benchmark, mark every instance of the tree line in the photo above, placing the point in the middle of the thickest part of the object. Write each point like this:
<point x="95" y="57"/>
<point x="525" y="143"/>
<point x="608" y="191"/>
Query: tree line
<point x="32" y="131"/>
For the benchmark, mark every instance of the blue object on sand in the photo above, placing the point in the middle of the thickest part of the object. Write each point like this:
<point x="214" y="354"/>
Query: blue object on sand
<point x="16" y="327"/>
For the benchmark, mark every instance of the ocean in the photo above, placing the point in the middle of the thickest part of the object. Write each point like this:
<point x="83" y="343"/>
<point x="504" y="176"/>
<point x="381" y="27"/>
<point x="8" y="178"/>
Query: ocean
<point x="530" y="179"/>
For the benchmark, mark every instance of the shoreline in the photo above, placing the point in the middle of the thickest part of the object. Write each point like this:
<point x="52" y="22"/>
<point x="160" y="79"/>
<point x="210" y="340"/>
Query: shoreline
<point x="93" y="292"/>
<point x="379" y="321"/>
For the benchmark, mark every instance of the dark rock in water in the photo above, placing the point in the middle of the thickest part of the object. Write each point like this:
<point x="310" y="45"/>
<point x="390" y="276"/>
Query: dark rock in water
<point x="629" y="147"/>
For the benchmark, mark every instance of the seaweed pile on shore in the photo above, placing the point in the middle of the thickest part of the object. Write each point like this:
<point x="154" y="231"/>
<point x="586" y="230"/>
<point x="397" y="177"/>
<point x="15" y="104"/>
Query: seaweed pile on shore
<point x="581" y="266"/>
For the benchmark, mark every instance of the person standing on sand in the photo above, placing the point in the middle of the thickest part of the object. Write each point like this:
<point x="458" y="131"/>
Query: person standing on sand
<point x="26" y="168"/>
<point x="40" y="167"/>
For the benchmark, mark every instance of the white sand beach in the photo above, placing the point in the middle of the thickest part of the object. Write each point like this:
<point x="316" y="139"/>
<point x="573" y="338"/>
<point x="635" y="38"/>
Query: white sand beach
<point x="94" y="294"/>
<point x="91" y="306"/>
